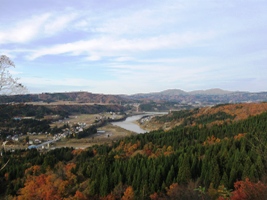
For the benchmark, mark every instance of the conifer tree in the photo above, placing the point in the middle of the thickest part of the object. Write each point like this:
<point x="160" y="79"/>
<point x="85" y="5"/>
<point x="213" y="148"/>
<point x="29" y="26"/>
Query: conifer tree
<point x="184" y="173"/>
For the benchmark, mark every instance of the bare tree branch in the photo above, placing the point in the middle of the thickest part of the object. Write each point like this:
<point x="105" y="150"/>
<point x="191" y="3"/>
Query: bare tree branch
<point x="4" y="166"/>
<point x="8" y="84"/>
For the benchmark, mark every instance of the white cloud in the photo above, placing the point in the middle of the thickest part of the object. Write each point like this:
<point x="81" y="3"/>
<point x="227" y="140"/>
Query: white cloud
<point x="107" y="46"/>
<point x="40" y="26"/>
<point x="23" y="31"/>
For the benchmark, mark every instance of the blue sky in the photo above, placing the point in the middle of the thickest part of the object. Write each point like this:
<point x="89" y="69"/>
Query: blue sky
<point x="128" y="47"/>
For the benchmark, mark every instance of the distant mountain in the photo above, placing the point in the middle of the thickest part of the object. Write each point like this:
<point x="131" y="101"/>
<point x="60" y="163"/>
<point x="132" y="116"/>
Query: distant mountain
<point x="201" y="97"/>
<point x="177" y="92"/>
<point x="164" y="95"/>
<point x="215" y="91"/>
<point x="172" y="92"/>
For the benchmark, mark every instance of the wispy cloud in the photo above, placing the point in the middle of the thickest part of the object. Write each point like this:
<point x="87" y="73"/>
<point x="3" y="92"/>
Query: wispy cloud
<point x="107" y="46"/>
<point x="23" y="31"/>
<point x="59" y="23"/>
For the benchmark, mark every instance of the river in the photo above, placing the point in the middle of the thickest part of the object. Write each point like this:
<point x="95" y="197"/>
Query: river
<point x="130" y="122"/>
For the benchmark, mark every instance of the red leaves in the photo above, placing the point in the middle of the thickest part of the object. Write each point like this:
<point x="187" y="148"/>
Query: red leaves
<point x="80" y="196"/>
<point x="39" y="187"/>
<point x="52" y="185"/>
<point x="249" y="190"/>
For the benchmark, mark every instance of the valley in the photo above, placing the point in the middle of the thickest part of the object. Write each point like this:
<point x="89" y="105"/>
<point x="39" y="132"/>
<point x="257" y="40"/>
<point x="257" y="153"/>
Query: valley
<point x="89" y="150"/>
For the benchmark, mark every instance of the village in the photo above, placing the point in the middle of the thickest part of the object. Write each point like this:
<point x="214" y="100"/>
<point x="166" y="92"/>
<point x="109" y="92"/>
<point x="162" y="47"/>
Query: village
<point x="70" y="128"/>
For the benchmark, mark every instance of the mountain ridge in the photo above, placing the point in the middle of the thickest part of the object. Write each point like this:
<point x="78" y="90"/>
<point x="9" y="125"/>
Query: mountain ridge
<point x="198" y="97"/>
<point x="212" y="91"/>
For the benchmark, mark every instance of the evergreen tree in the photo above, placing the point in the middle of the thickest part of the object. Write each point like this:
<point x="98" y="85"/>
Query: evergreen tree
<point x="184" y="173"/>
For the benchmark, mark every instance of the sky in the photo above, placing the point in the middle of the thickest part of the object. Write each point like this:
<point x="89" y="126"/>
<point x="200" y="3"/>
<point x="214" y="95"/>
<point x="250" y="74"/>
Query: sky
<point x="136" y="46"/>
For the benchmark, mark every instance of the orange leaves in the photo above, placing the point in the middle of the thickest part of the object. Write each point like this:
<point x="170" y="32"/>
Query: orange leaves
<point x="109" y="197"/>
<point x="168" y="151"/>
<point x="39" y="187"/>
<point x="34" y="170"/>
<point x="249" y="190"/>
<point x="79" y="196"/>
<point x="172" y="190"/>
<point x="154" y="196"/>
<point x="128" y="148"/>
<point x="211" y="140"/>
<point x="6" y="176"/>
<point x="240" y="111"/>
<point x="148" y="148"/>
<point x="94" y="151"/>
<point x="69" y="167"/>
<point x="128" y="194"/>
<point x="77" y="151"/>
<point x="52" y="185"/>
<point x="239" y="136"/>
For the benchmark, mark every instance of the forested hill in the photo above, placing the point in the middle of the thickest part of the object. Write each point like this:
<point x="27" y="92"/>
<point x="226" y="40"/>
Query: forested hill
<point x="202" y="98"/>
<point x="80" y="97"/>
<point x="216" y="161"/>
<point x="39" y="111"/>
<point x="209" y="116"/>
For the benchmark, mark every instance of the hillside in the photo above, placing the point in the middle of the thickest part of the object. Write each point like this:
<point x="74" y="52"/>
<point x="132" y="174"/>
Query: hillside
<point x="202" y="97"/>
<point x="206" y="116"/>
<point x="199" y="159"/>
<point x="79" y="97"/>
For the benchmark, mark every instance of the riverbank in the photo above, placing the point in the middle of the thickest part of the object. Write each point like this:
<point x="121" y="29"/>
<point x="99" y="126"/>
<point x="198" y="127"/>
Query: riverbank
<point x="136" y="123"/>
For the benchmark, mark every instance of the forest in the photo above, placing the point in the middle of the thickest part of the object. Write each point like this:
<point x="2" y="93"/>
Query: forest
<point x="197" y="160"/>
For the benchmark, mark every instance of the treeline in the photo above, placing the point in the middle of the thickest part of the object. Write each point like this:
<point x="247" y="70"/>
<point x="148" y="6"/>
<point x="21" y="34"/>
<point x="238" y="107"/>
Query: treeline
<point x="187" y="117"/>
<point x="182" y="163"/>
<point x="9" y="111"/>
<point x="163" y="106"/>
<point x="23" y="110"/>
<point x="12" y="127"/>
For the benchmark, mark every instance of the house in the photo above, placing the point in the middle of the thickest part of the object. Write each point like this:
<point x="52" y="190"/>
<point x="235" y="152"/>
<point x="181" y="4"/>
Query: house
<point x="37" y="141"/>
<point x="32" y="147"/>
<point x="100" y="131"/>
<point x="17" y="118"/>
<point x="15" y="138"/>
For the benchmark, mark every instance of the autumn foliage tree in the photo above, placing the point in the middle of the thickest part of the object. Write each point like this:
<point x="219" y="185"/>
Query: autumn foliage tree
<point x="51" y="185"/>
<point x="128" y="194"/>
<point x="247" y="190"/>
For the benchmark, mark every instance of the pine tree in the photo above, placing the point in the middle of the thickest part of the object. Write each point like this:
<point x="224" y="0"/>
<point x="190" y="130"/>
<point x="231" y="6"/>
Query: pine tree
<point x="215" y="173"/>
<point x="170" y="176"/>
<point x="246" y="171"/>
<point x="184" y="173"/>
<point x="225" y="180"/>
<point x="103" y="190"/>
